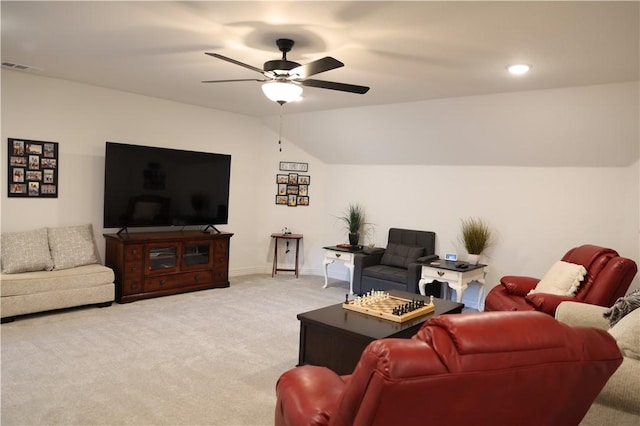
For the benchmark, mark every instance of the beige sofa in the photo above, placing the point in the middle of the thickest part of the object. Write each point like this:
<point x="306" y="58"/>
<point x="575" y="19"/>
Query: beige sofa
<point x="52" y="268"/>
<point x="619" y="401"/>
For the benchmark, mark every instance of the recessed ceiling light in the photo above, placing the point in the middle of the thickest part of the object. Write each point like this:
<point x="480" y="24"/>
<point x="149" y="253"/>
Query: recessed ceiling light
<point x="519" y="69"/>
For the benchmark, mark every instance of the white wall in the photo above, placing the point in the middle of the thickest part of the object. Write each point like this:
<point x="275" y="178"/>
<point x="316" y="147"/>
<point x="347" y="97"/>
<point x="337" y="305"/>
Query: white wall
<point x="591" y="126"/>
<point x="537" y="213"/>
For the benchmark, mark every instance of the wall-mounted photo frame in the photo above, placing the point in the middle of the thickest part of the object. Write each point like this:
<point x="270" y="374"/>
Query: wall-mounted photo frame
<point x="304" y="179"/>
<point x="292" y="166"/>
<point x="293" y="188"/>
<point x="33" y="168"/>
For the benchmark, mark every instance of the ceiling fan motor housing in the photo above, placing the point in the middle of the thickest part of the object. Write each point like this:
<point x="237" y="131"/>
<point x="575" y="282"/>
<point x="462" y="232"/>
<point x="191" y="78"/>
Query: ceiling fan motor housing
<point x="285" y="45"/>
<point x="280" y="65"/>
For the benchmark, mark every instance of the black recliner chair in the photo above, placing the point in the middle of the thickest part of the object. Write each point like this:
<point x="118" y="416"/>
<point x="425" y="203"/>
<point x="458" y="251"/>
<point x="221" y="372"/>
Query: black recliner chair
<point x="399" y="266"/>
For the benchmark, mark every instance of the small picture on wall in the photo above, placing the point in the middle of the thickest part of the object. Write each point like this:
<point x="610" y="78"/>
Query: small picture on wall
<point x="282" y="179"/>
<point x="293" y="178"/>
<point x="303" y="190"/>
<point x="18" y="161"/>
<point x="18" y="174"/>
<point x="34" y="189"/>
<point x="18" y="188"/>
<point x="292" y="189"/>
<point x="47" y="189"/>
<point x="34" y="162"/>
<point x="282" y="199"/>
<point x="303" y="201"/>
<point x="49" y="151"/>
<point x="304" y="180"/>
<point x="34" y="175"/>
<point x="34" y="148"/>
<point x="33" y="168"/>
<point x="282" y="189"/>
<point x="292" y="201"/>
<point x="16" y="148"/>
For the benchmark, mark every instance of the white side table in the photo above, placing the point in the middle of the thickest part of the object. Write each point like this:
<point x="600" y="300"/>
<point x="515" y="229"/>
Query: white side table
<point x="331" y="254"/>
<point x="457" y="278"/>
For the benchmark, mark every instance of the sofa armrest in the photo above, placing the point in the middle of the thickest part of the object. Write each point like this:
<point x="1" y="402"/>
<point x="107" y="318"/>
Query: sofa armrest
<point x="547" y="303"/>
<point x="427" y="259"/>
<point x="518" y="285"/>
<point x="361" y="261"/>
<point x="307" y="395"/>
<point x="582" y="314"/>
<point x="414" y="271"/>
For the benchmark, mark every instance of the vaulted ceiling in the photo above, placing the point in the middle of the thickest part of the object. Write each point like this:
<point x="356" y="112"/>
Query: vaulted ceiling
<point x="405" y="51"/>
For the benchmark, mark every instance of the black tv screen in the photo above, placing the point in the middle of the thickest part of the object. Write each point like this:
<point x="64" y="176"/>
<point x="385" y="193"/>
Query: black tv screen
<point x="148" y="186"/>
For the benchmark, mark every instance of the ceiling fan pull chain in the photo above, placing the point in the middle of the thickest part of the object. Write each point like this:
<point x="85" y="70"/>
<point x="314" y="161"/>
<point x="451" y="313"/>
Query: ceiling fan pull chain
<point x="280" y="134"/>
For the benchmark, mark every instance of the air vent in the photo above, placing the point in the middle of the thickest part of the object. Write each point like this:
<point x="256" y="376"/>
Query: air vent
<point x="20" y="67"/>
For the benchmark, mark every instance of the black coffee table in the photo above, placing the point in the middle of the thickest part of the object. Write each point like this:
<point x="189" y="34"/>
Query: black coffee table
<point x="335" y="337"/>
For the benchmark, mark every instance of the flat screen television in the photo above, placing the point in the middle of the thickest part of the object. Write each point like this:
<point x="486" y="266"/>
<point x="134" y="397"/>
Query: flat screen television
<point x="149" y="186"/>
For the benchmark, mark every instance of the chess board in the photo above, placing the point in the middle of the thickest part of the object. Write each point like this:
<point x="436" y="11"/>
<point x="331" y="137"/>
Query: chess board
<point x="383" y="308"/>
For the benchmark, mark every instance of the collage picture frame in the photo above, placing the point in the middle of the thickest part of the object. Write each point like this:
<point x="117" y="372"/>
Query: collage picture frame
<point x="33" y="168"/>
<point x="293" y="189"/>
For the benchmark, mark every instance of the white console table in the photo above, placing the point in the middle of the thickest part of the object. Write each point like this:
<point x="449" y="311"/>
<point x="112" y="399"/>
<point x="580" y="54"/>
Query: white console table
<point x="456" y="278"/>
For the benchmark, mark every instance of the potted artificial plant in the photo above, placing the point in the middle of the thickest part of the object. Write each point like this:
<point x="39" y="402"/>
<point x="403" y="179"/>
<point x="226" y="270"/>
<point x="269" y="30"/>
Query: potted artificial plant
<point x="475" y="236"/>
<point x="354" y="220"/>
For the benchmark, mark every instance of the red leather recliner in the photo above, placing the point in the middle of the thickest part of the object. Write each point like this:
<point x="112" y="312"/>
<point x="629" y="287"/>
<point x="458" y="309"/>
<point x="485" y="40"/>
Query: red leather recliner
<point x="608" y="278"/>
<point x="498" y="368"/>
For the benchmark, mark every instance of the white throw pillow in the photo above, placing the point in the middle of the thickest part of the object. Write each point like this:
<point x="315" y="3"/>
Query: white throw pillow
<point x="563" y="279"/>
<point x="72" y="246"/>
<point x="25" y="252"/>
<point x="627" y="334"/>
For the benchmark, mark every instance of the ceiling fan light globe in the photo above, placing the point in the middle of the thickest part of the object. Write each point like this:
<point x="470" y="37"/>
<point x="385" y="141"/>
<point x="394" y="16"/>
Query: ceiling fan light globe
<point x="519" y="69"/>
<point x="282" y="92"/>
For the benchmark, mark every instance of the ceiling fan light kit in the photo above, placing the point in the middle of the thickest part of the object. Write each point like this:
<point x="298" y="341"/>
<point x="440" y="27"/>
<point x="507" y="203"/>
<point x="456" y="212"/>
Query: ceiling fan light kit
<point x="519" y="69"/>
<point x="282" y="92"/>
<point x="284" y="78"/>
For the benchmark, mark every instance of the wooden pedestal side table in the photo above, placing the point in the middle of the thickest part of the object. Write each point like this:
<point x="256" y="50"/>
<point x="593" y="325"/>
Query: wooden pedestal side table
<point x="457" y="275"/>
<point x="286" y="237"/>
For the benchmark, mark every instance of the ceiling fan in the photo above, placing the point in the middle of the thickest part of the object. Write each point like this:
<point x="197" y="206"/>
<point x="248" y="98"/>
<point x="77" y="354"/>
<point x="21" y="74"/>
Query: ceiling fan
<point x="283" y="78"/>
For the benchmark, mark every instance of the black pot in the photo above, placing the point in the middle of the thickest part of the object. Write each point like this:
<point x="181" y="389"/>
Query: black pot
<point x="354" y="237"/>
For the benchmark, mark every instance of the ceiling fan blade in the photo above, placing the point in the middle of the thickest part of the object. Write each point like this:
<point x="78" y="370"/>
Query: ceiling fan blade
<point x="316" y="67"/>
<point x="228" y="81"/>
<point x="343" y="87"/>
<point x="233" y="61"/>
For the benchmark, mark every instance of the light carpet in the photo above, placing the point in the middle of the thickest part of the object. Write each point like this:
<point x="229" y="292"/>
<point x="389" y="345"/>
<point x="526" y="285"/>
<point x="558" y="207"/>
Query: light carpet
<point x="204" y="358"/>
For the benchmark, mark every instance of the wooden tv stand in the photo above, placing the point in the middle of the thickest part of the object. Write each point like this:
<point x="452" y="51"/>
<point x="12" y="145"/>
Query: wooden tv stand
<point x="152" y="264"/>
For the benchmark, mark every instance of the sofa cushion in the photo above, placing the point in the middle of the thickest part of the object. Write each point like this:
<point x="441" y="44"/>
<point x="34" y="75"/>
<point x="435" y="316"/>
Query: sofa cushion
<point x="72" y="246"/>
<point x="627" y="334"/>
<point x="400" y="255"/>
<point x="563" y="279"/>
<point x="25" y="251"/>
<point x="87" y="276"/>
<point x="387" y="273"/>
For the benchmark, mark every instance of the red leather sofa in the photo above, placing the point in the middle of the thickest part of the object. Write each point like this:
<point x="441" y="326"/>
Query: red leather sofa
<point x="608" y="278"/>
<point x="499" y="368"/>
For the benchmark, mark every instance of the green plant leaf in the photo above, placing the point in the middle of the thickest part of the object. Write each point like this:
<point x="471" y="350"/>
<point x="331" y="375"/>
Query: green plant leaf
<point x="354" y="218"/>
<point x="475" y="235"/>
